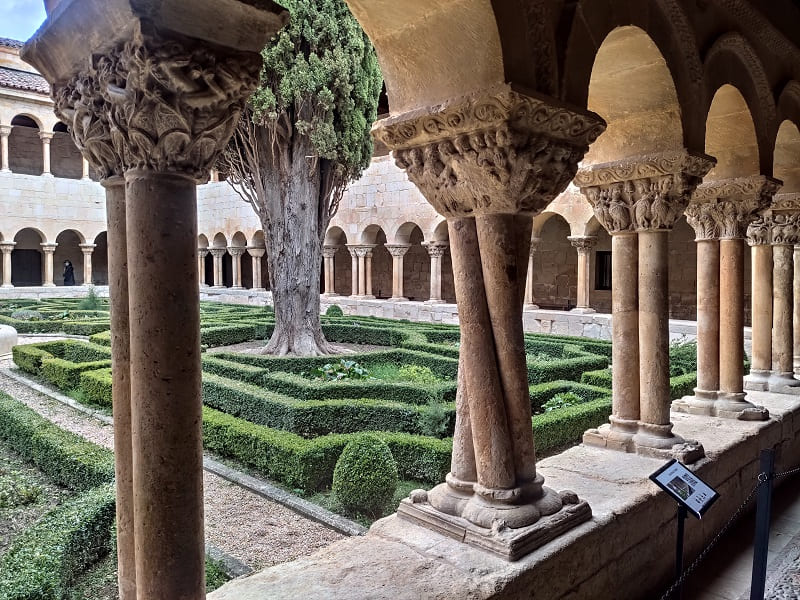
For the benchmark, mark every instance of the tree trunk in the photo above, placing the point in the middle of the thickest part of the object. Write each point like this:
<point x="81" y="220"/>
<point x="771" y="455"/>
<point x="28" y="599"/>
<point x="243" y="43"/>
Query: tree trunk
<point x="295" y="222"/>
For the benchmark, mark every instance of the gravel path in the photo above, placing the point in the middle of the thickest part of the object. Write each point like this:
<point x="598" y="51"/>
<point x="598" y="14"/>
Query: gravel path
<point x="255" y="530"/>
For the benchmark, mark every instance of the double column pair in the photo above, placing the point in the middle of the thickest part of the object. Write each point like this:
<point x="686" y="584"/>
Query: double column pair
<point x="152" y="111"/>
<point x="719" y="213"/>
<point x="773" y="238"/>
<point x="638" y="201"/>
<point x="489" y="162"/>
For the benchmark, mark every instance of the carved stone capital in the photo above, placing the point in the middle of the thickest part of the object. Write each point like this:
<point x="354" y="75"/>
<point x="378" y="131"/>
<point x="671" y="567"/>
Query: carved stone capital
<point x="759" y="232"/>
<point x="256" y="251"/>
<point x="218" y="252"/>
<point x="169" y="104"/>
<point x="7" y="247"/>
<point x="724" y="208"/>
<point x="5" y="130"/>
<point x="643" y="193"/>
<point x="202" y="252"/>
<point x="398" y="250"/>
<point x="785" y="229"/>
<point x="786" y="203"/>
<point x="48" y="247"/>
<point x="329" y="251"/>
<point x="494" y="151"/>
<point x="87" y="248"/>
<point x="436" y="249"/>
<point x="46" y="136"/>
<point x="361" y="250"/>
<point x="236" y="250"/>
<point x="583" y="243"/>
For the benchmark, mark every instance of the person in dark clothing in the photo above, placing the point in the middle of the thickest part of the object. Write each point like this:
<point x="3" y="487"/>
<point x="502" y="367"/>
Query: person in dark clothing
<point x="69" y="273"/>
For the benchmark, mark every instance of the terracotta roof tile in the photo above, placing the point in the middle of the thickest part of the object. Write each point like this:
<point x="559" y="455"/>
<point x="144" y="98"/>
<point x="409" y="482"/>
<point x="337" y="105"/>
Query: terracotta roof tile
<point x="22" y="80"/>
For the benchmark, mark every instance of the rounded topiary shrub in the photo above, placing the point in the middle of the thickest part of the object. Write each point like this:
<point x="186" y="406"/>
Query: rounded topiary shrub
<point x="365" y="476"/>
<point x="334" y="310"/>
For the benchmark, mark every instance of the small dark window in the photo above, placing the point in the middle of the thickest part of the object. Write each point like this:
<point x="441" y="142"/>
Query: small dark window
<point x="602" y="271"/>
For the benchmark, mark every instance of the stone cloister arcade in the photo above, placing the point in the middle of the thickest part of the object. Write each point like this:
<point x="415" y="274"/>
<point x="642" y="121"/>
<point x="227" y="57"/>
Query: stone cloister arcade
<point x="649" y="110"/>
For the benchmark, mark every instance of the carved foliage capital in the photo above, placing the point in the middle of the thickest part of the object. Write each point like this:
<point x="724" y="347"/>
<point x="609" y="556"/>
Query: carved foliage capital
<point x="361" y="250"/>
<point x="643" y="193"/>
<point x="236" y="250"/>
<point x="583" y="243"/>
<point x="785" y="229"/>
<point x="398" y="250"/>
<point x="159" y="104"/>
<point x="218" y="252"/>
<point x="436" y="249"/>
<point x="494" y="151"/>
<point x="329" y="251"/>
<point x="725" y="208"/>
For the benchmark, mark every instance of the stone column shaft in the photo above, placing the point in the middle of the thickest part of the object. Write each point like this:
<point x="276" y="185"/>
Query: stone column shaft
<point x="85" y="169"/>
<point x="88" y="250"/>
<point x="354" y="262"/>
<point x="201" y="266"/>
<point x="708" y="326"/>
<point x="731" y="325"/>
<point x="121" y="383"/>
<point x="257" y="254"/>
<point x="166" y="406"/>
<point x="362" y="275"/>
<point x="436" y="251"/>
<point x="46" y="138"/>
<point x="328" y="253"/>
<point x="761" y="362"/>
<point x="782" y="311"/>
<point x="49" y="250"/>
<point x="530" y="300"/>
<point x="236" y="266"/>
<point x="584" y="245"/>
<point x="7" y="248"/>
<point x="398" y="252"/>
<point x="796" y="312"/>
<point x="625" y="334"/>
<point x="217" y="254"/>
<point x="654" y="328"/>
<point x="5" y="132"/>
<point x="368" y="272"/>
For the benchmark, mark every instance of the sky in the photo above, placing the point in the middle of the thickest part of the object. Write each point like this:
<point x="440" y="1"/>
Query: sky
<point x="19" y="19"/>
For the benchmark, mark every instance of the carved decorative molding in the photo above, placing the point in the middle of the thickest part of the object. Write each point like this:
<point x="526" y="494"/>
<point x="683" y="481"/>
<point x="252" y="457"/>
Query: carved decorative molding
<point x="329" y="251"/>
<point x="218" y="252"/>
<point x="759" y="232"/>
<point x="496" y="151"/>
<point x="583" y="243"/>
<point x="360" y="250"/>
<point x="236" y="250"/>
<point x="786" y="203"/>
<point x="785" y="229"/>
<point x="202" y="252"/>
<point x="643" y="193"/>
<point x="724" y="208"/>
<point x="165" y="105"/>
<point x="436" y="249"/>
<point x="398" y="250"/>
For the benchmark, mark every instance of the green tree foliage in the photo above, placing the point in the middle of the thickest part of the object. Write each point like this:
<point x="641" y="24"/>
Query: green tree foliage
<point x="321" y="73"/>
<point x="304" y="138"/>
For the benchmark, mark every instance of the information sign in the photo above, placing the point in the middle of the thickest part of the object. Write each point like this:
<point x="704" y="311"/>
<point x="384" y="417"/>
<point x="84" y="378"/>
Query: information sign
<point x="686" y="487"/>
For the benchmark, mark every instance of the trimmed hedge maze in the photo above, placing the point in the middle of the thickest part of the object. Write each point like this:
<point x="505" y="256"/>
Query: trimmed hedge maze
<point x="277" y="415"/>
<point x="45" y="559"/>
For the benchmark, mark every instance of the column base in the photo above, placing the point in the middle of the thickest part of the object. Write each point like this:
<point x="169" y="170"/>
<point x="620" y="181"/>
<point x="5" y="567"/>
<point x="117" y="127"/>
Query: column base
<point x="324" y="295"/>
<point x="725" y="405"/>
<point x="5" y="171"/>
<point x="398" y="299"/>
<point x="784" y="383"/>
<point x="757" y="381"/>
<point x="530" y="307"/>
<point x="615" y="435"/>
<point x="46" y="175"/>
<point x="258" y="289"/>
<point x="48" y="285"/>
<point x="583" y="310"/>
<point x="237" y="287"/>
<point x="508" y="543"/>
<point x="654" y="441"/>
<point x="218" y="287"/>
<point x="7" y="286"/>
<point x="434" y="302"/>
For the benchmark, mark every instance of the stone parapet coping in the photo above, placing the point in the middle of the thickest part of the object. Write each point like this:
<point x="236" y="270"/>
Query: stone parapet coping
<point x="625" y="551"/>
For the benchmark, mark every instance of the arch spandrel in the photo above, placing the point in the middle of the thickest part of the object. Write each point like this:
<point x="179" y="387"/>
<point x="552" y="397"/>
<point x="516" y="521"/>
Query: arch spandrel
<point x="432" y="51"/>
<point x="732" y="60"/>
<point x="669" y="29"/>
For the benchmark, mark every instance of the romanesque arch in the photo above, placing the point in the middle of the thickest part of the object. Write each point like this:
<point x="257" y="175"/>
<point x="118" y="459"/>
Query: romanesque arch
<point x="25" y="146"/>
<point x="27" y="264"/>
